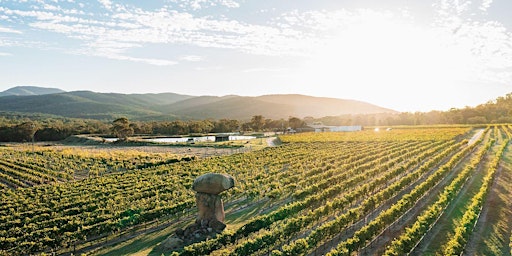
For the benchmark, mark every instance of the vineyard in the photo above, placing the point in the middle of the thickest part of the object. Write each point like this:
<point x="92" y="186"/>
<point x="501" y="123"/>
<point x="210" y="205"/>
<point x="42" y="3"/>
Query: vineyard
<point x="409" y="190"/>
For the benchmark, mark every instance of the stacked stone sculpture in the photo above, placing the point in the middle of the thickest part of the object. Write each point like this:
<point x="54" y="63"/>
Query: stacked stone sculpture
<point x="210" y="218"/>
<point x="209" y="203"/>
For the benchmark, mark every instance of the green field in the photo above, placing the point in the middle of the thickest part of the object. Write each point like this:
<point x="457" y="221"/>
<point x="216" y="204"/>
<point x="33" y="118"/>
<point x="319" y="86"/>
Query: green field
<point x="418" y="190"/>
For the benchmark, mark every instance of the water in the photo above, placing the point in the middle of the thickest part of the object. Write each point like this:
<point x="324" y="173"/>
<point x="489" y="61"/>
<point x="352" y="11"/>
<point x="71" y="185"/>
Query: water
<point x="198" y="139"/>
<point x="185" y="139"/>
<point x="189" y="139"/>
<point x="241" y="137"/>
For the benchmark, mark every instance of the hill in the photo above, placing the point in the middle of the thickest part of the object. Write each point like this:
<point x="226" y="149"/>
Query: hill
<point x="270" y="106"/>
<point x="164" y="106"/>
<point x="29" y="90"/>
<point x="86" y="104"/>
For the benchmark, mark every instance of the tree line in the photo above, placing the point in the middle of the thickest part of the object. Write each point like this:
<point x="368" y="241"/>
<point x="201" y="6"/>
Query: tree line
<point x="496" y="111"/>
<point x="26" y="129"/>
<point x="17" y="128"/>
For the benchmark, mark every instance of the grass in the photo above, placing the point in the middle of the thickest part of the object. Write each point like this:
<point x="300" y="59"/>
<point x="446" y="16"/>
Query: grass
<point x="445" y="226"/>
<point x="492" y="234"/>
<point x="150" y="244"/>
<point x="146" y="244"/>
<point x="434" y="240"/>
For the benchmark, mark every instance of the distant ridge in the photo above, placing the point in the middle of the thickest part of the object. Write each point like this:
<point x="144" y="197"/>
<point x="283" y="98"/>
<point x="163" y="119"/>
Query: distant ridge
<point x="29" y="90"/>
<point x="270" y="106"/>
<point x="172" y="106"/>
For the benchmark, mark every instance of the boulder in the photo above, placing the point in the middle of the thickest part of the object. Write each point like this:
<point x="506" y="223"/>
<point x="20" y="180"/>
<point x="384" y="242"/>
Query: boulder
<point x="213" y="183"/>
<point x="217" y="226"/>
<point x="210" y="207"/>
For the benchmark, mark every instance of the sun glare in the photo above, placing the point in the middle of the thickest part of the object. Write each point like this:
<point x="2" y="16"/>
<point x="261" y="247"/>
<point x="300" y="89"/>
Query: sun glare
<point x="378" y="55"/>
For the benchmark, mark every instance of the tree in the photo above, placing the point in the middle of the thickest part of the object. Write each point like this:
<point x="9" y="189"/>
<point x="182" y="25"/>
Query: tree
<point x="295" y="123"/>
<point x="204" y="126"/>
<point x="257" y="122"/>
<point x="226" y="125"/>
<point x="179" y="127"/>
<point x="121" y="128"/>
<point x="26" y="131"/>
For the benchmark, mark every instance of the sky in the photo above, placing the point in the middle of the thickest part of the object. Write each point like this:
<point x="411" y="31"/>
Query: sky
<point x="406" y="55"/>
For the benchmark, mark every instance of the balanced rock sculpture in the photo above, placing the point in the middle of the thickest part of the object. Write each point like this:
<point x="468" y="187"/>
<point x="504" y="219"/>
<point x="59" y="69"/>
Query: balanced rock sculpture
<point x="209" y="203"/>
<point x="210" y="219"/>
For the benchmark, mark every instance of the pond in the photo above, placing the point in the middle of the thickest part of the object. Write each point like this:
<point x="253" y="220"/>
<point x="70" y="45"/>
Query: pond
<point x="190" y="139"/>
<point x="182" y="139"/>
<point x="199" y="139"/>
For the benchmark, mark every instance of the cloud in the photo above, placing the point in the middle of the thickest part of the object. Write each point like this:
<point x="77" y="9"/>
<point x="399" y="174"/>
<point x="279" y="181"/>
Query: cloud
<point x="116" y="50"/>
<point x="191" y="58"/>
<point x="129" y="26"/>
<point x="116" y="29"/>
<point x="3" y="54"/>
<point x="229" y="3"/>
<point x="9" y="30"/>
<point x="485" y="42"/>
<point x="485" y="5"/>
<point x="264" y="69"/>
<point x="106" y="3"/>
<point x="212" y="68"/>
<point x="201" y="4"/>
<point x="156" y="62"/>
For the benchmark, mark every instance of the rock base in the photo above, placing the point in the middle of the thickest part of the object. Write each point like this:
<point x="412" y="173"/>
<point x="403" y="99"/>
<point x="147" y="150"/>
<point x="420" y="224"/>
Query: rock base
<point x="210" y="207"/>
<point x="200" y="231"/>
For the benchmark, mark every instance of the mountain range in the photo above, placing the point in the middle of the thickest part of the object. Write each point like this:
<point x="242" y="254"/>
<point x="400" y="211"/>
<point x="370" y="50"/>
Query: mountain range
<point x="170" y="106"/>
<point x="29" y="90"/>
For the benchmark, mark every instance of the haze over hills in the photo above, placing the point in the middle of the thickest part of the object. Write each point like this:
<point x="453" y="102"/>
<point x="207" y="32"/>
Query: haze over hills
<point x="29" y="90"/>
<point x="166" y="106"/>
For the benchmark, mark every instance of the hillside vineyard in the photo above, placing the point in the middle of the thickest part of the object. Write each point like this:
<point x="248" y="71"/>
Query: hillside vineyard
<point x="368" y="192"/>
